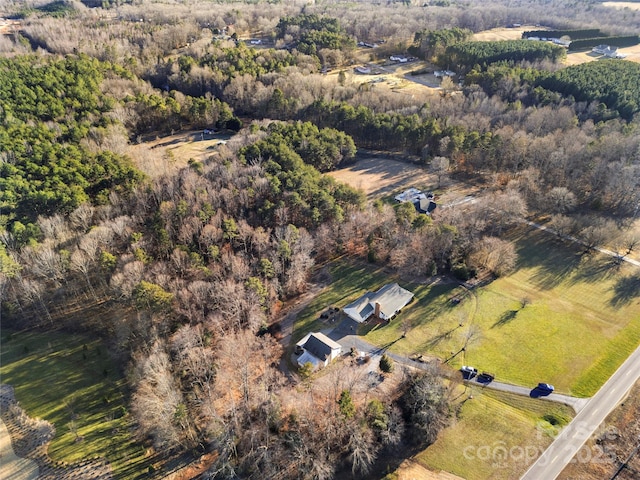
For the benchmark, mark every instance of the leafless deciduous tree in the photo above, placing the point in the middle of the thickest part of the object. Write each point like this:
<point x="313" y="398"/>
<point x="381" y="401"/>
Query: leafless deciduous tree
<point x="496" y="255"/>
<point x="560" y="200"/>
<point x="427" y="403"/>
<point x="45" y="262"/>
<point x="157" y="402"/>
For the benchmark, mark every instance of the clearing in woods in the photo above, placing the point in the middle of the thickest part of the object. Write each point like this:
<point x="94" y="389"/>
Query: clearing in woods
<point x="379" y="176"/>
<point x="573" y="58"/>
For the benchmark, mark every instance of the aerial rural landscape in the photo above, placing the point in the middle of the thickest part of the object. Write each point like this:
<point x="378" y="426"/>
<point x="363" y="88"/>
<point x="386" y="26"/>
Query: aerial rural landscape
<point x="320" y="240"/>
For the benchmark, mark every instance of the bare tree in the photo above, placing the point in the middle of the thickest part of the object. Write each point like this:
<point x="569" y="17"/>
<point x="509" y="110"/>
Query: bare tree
<point x="560" y="200"/>
<point x="363" y="449"/>
<point x="82" y="217"/>
<point x="496" y="255"/>
<point x="439" y="166"/>
<point x="45" y="262"/>
<point x="157" y="401"/>
<point x="81" y="262"/>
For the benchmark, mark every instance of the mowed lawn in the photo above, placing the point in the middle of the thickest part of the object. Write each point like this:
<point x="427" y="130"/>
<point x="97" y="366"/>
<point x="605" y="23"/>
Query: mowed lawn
<point x="70" y="381"/>
<point x="561" y="317"/>
<point x="496" y="435"/>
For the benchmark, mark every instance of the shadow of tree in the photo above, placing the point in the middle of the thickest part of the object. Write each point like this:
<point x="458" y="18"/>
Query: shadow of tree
<point x="553" y="261"/>
<point x="505" y="318"/>
<point x="595" y="269"/>
<point x="625" y="290"/>
<point x="432" y="342"/>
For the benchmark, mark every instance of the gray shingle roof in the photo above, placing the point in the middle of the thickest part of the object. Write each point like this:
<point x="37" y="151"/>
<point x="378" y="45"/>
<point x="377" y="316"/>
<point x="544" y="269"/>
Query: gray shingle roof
<point x="391" y="297"/>
<point x="320" y="345"/>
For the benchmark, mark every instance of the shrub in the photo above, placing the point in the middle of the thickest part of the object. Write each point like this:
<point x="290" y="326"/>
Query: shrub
<point x="386" y="364"/>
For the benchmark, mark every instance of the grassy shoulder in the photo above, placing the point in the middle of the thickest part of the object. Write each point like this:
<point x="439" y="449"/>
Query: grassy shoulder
<point x="496" y="435"/>
<point x="70" y="381"/>
<point x="560" y="317"/>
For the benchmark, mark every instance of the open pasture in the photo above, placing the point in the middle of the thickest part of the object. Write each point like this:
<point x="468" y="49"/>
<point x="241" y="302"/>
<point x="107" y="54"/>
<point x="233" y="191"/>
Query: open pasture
<point x="495" y="435"/>
<point x="70" y="381"/>
<point x="561" y="317"/>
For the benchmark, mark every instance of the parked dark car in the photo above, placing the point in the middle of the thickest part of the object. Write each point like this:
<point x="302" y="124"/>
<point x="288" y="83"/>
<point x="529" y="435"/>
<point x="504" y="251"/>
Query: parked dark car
<point x="545" y="387"/>
<point x="468" y="372"/>
<point x="486" y="377"/>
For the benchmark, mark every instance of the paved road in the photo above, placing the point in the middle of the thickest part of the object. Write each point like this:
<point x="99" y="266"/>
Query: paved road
<point x="572" y="438"/>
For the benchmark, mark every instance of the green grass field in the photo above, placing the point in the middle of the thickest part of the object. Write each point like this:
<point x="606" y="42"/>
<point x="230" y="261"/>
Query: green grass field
<point x="580" y="319"/>
<point x="70" y="381"/>
<point x="496" y="435"/>
<point x="349" y="280"/>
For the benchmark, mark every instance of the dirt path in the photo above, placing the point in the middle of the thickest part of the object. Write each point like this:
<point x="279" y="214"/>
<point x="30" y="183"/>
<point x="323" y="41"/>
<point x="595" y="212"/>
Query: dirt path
<point x="11" y="466"/>
<point x="28" y="440"/>
<point x="322" y="279"/>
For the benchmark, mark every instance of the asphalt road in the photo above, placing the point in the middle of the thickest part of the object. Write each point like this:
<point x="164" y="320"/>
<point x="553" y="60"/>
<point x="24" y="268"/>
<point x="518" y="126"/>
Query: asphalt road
<point x="571" y="439"/>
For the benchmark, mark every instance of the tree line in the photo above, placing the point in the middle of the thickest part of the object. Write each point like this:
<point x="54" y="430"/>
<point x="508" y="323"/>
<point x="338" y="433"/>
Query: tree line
<point x="612" y="82"/>
<point x="465" y="55"/>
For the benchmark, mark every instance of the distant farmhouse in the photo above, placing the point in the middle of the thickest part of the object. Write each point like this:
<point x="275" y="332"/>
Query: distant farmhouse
<point x="410" y="195"/>
<point x="607" y="51"/>
<point x="423" y="202"/>
<point x="317" y="349"/>
<point x="384" y="304"/>
<point x="402" y="59"/>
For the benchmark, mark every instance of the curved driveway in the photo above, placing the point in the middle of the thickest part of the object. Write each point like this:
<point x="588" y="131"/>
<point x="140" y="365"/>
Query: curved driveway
<point x="343" y="334"/>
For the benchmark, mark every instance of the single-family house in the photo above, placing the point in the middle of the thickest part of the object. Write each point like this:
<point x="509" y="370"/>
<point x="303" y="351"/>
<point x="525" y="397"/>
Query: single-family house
<point x="318" y="349"/>
<point x="612" y="52"/>
<point x="601" y="49"/>
<point x="425" y="205"/>
<point x="383" y="304"/>
<point x="410" y="195"/>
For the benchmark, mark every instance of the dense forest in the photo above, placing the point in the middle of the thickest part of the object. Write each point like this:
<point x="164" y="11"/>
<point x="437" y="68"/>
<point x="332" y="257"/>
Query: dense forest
<point x="465" y="55"/>
<point x="195" y="260"/>
<point x="613" y="83"/>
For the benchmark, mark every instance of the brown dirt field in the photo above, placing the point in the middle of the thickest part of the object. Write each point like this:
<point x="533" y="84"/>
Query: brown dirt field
<point x="618" y="436"/>
<point x="573" y="58"/>
<point x="159" y="155"/>
<point x="630" y="5"/>
<point x="8" y="26"/>
<point x="504" y="33"/>
<point x="410" y="470"/>
<point x="576" y="58"/>
<point x="395" y="78"/>
<point x="378" y="177"/>
<point x="382" y="176"/>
